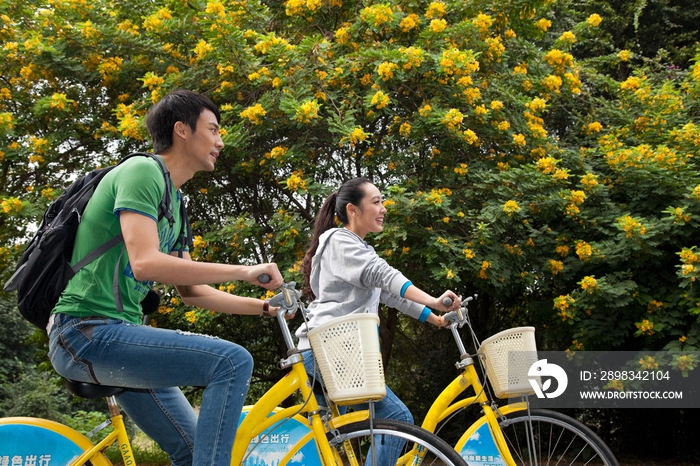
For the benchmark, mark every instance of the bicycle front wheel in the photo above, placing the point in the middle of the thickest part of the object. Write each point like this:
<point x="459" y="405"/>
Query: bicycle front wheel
<point x="407" y="442"/>
<point x="548" y="437"/>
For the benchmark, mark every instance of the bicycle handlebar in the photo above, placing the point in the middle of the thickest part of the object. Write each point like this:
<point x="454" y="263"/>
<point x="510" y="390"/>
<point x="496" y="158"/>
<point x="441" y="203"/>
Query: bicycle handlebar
<point x="459" y="316"/>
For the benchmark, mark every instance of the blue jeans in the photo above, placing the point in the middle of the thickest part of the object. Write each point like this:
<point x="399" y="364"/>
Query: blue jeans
<point x="153" y="363"/>
<point x="390" y="407"/>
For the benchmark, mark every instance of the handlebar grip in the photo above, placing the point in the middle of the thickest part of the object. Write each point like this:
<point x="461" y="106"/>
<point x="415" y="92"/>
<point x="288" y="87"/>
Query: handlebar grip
<point x="264" y="278"/>
<point x="447" y="302"/>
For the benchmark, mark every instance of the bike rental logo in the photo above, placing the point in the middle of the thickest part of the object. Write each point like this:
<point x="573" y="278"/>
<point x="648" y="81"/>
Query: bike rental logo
<point x="541" y="374"/>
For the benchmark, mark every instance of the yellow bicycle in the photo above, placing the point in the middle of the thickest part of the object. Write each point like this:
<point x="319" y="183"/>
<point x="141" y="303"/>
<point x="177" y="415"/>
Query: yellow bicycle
<point x="309" y="434"/>
<point x="512" y="434"/>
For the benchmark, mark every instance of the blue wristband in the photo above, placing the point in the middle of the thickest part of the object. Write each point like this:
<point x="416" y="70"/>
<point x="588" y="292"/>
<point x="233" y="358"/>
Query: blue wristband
<point x="405" y="287"/>
<point x="425" y="314"/>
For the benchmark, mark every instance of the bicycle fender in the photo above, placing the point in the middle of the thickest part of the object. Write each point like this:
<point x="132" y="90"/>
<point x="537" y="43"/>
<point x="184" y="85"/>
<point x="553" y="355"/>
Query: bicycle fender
<point x="482" y="429"/>
<point x="41" y="438"/>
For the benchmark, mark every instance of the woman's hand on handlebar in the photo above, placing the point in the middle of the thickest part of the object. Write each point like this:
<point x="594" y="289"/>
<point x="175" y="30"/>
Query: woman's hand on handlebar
<point x="449" y="301"/>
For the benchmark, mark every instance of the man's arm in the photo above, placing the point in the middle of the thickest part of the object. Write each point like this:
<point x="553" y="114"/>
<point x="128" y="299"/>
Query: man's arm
<point x="149" y="264"/>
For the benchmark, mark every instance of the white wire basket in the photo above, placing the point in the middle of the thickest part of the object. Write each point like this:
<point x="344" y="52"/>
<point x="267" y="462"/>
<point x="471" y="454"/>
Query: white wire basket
<point x="349" y="357"/>
<point x="507" y="357"/>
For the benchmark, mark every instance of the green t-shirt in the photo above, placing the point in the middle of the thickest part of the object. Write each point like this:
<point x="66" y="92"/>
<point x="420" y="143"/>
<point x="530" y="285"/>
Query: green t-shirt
<point x="136" y="185"/>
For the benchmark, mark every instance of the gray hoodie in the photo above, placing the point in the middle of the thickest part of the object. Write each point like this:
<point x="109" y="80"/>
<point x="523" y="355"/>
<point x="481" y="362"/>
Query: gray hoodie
<point x="347" y="276"/>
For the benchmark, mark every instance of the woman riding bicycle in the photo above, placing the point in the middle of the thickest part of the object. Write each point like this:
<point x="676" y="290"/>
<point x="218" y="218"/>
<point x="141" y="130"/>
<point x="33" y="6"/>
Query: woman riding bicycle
<point x="344" y="275"/>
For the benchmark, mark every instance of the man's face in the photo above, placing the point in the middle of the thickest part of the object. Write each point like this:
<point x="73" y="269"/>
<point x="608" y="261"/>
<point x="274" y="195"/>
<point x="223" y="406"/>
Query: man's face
<point x="204" y="144"/>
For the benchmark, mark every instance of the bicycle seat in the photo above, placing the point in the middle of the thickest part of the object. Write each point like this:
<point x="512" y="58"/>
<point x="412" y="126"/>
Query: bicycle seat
<point x="91" y="390"/>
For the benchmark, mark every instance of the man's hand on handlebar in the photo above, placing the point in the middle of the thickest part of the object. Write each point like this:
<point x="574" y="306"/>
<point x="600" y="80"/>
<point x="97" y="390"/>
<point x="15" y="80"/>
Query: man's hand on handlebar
<point x="266" y="275"/>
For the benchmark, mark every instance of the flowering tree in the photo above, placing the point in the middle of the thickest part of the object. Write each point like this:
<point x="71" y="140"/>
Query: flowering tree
<point x="564" y="198"/>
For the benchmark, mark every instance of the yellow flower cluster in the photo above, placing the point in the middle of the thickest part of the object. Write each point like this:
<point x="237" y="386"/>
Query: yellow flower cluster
<point x="485" y="265"/>
<point x="438" y="25"/>
<point x="129" y="124"/>
<point x="414" y="57"/>
<point x="307" y="111"/>
<point x="594" y="20"/>
<point x="254" y="114"/>
<point x="483" y="23"/>
<point x="377" y="15"/>
<point x="685" y="363"/>
<point x="537" y="104"/>
<point x="357" y="135"/>
<point x="409" y="22"/>
<point x="496" y="48"/>
<point x="552" y="83"/>
<point x="648" y="363"/>
<point x="632" y="83"/>
<point x="12" y="205"/>
<point x="435" y="10"/>
<point x="577" y="197"/>
<point x="564" y="305"/>
<point x="543" y="24"/>
<point x="510" y="207"/>
<point x="202" y="49"/>
<point x="520" y="69"/>
<point x="379" y="100"/>
<point x="519" y="140"/>
<point x="589" y="284"/>
<point x="154" y="21"/>
<point x="295" y="182"/>
<point x="264" y="45"/>
<point x="645" y="327"/>
<point x="471" y="137"/>
<point x="555" y="266"/>
<point x="546" y="165"/>
<point x="624" y="55"/>
<point x="568" y="37"/>
<point x="216" y="8"/>
<point x="405" y="130"/>
<point x="453" y="119"/>
<point x="558" y="60"/>
<point x="631" y="226"/>
<point x="386" y="70"/>
<point x="59" y="101"/>
<point x="562" y="250"/>
<point x="461" y="170"/>
<point x="679" y="215"/>
<point x="584" y="250"/>
<point x="277" y="152"/>
<point x="594" y="127"/>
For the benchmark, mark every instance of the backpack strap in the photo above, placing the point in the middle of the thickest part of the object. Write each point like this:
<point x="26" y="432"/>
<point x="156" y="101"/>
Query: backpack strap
<point x="98" y="251"/>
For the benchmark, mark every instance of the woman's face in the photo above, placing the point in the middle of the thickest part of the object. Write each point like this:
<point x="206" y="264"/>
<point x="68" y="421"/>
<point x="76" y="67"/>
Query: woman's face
<point x="369" y="216"/>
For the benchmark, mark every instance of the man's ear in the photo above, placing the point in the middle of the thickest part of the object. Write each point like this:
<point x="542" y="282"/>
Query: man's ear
<point x="179" y="130"/>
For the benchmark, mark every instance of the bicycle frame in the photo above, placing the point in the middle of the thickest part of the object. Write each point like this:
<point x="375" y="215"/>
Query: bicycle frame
<point x="118" y="435"/>
<point x="443" y="406"/>
<point x="258" y="419"/>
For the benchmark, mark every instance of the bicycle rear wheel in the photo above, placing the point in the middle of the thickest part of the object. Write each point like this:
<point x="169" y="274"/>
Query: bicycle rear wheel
<point x="548" y="438"/>
<point x="410" y="439"/>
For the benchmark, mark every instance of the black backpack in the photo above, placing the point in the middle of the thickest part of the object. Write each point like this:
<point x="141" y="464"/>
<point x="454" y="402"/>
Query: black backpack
<point x="44" y="268"/>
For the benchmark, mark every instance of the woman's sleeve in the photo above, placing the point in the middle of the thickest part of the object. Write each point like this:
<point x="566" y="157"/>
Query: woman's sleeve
<point x="358" y="264"/>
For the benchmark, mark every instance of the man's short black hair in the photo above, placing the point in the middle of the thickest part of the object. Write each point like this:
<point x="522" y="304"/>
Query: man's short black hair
<point x="180" y="105"/>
